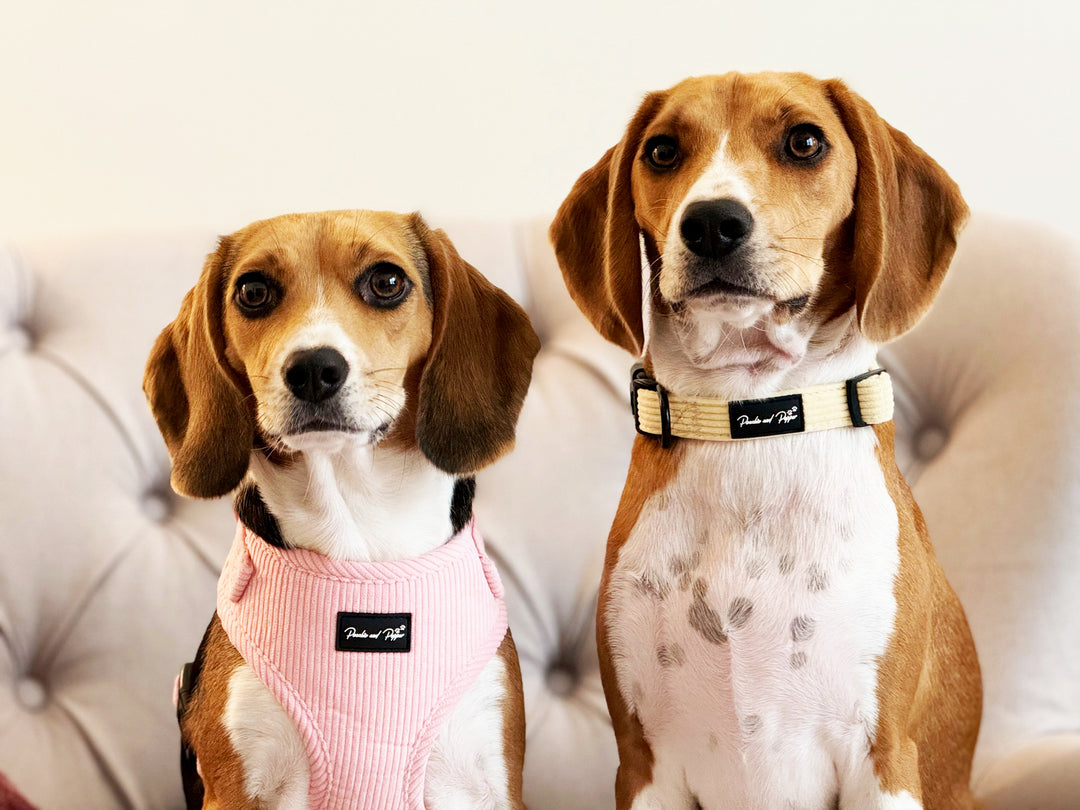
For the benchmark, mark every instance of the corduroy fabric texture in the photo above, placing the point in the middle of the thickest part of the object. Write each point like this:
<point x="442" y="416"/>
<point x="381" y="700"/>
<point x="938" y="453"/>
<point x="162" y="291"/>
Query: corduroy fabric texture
<point x="367" y="719"/>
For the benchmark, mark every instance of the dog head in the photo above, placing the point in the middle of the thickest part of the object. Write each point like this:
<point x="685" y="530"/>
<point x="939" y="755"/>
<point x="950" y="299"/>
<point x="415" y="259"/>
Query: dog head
<point x="767" y="205"/>
<point x="310" y="331"/>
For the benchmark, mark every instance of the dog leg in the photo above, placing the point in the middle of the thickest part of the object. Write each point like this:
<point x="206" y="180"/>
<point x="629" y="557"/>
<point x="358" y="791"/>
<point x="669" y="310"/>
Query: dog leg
<point x="468" y="768"/>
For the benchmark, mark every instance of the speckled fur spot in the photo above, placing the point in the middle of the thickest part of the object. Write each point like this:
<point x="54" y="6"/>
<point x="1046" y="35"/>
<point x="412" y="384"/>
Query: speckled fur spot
<point x="681" y="566"/>
<point x="739" y="612"/>
<point x="802" y="628"/>
<point x="652" y="586"/>
<point x="670" y="655"/>
<point x="798" y="660"/>
<point x="787" y="564"/>
<point x="817" y="579"/>
<point x="756" y="567"/>
<point x="703" y="618"/>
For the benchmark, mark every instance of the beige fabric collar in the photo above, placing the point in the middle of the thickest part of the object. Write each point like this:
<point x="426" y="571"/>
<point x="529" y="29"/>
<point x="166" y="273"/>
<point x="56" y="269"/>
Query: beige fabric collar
<point x="858" y="402"/>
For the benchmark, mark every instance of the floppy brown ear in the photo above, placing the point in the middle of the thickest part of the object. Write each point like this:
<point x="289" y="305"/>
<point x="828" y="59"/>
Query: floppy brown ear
<point x="595" y="235"/>
<point x="908" y="213"/>
<point x="195" y="397"/>
<point x="478" y="367"/>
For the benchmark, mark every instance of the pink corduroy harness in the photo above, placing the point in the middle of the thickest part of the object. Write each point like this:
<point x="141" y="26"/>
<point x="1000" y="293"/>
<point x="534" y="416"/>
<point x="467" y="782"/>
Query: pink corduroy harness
<point x="368" y="659"/>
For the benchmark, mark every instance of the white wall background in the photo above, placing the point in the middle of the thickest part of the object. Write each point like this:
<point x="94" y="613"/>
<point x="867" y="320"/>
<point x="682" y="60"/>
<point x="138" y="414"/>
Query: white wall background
<point x="136" y="114"/>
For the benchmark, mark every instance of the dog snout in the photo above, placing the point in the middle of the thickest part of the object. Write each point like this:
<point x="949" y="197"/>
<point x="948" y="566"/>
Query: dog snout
<point x="713" y="229"/>
<point x="315" y="375"/>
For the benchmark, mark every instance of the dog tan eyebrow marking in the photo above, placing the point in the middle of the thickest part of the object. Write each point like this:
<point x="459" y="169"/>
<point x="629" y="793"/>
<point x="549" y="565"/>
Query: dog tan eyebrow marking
<point x="265" y="261"/>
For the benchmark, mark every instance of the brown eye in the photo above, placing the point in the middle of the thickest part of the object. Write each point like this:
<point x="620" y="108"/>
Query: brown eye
<point x="662" y="152"/>
<point x="384" y="285"/>
<point x="255" y="294"/>
<point x="805" y="143"/>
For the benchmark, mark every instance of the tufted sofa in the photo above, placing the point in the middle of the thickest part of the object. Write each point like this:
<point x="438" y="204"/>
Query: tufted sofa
<point x="107" y="578"/>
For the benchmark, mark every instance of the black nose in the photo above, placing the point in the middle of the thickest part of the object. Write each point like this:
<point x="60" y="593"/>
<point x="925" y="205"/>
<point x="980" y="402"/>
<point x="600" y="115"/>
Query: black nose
<point x="316" y="374"/>
<point x="714" y="228"/>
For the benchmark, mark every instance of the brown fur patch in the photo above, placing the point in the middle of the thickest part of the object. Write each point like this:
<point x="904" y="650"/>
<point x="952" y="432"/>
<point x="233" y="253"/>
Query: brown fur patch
<point x="907" y="216"/>
<point x="595" y="237"/>
<point x="929" y="686"/>
<point x="513" y="721"/>
<point x="478" y="369"/>
<point x="222" y="770"/>
<point x="198" y="401"/>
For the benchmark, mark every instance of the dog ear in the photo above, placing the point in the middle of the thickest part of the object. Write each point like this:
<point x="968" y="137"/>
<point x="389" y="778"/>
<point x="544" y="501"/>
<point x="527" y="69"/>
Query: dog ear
<point x="196" y="399"/>
<point x="908" y="213"/>
<point x="595" y="236"/>
<point x="478" y="368"/>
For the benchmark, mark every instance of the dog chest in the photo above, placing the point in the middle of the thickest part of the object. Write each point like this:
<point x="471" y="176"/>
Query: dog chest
<point x="748" y="608"/>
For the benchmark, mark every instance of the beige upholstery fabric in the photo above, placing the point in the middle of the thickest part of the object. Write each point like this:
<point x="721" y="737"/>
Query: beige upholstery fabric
<point x="107" y="579"/>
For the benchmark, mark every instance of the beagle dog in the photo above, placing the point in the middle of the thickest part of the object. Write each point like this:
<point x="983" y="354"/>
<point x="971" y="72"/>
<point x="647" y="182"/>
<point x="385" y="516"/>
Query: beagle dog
<point x="774" y="630"/>
<point x="346" y="373"/>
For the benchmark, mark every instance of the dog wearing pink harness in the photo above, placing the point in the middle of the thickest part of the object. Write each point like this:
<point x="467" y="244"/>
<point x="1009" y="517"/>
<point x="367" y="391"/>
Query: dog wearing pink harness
<point x="344" y="375"/>
<point x="367" y="658"/>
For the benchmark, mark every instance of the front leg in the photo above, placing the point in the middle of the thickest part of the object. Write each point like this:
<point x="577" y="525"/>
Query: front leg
<point x="249" y="752"/>
<point x="884" y="776"/>
<point x="635" y="772"/>
<point x="641" y="782"/>
<point x="477" y="759"/>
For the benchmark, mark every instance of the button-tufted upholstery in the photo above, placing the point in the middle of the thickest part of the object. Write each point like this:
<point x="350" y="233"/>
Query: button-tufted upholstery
<point x="107" y="578"/>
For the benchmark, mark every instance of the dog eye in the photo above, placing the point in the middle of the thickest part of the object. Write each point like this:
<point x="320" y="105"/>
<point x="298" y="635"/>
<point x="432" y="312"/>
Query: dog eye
<point x="384" y="285"/>
<point x="662" y="152"/>
<point x="805" y="142"/>
<point x="255" y="294"/>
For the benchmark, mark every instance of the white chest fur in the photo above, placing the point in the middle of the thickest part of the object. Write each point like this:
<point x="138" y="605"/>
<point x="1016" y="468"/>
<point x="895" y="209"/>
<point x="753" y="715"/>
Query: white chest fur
<point x="748" y="610"/>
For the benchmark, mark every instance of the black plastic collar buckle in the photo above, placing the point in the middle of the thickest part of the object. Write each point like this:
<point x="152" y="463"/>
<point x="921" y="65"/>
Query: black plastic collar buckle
<point x="641" y="381"/>
<point x="854" y="409"/>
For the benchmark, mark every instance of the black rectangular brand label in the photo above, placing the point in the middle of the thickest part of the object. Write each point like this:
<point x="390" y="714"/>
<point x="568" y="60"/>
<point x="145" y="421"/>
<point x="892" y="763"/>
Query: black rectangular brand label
<point x="753" y="418"/>
<point x="374" y="632"/>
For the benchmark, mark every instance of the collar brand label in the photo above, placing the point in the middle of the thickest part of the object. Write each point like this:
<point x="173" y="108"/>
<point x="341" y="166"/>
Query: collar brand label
<point x="753" y="418"/>
<point x="374" y="632"/>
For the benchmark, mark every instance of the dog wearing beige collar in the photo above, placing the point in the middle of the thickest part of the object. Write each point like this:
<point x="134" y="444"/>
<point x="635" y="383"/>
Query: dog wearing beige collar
<point x="344" y="373"/>
<point x="773" y="627"/>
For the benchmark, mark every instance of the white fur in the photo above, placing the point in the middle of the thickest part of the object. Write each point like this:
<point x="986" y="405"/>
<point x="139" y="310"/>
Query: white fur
<point x="345" y="497"/>
<point x="355" y="501"/>
<point x="802" y="529"/>
<point x="467" y="767"/>
<point x="754" y="596"/>
<point x="368" y="400"/>
<point x="275" y="763"/>
<point x="721" y="179"/>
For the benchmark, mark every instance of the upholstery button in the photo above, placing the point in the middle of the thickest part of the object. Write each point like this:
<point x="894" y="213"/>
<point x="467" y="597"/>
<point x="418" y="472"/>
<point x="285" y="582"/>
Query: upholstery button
<point x="31" y="694"/>
<point x="930" y="441"/>
<point x="561" y="680"/>
<point x="157" y="507"/>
